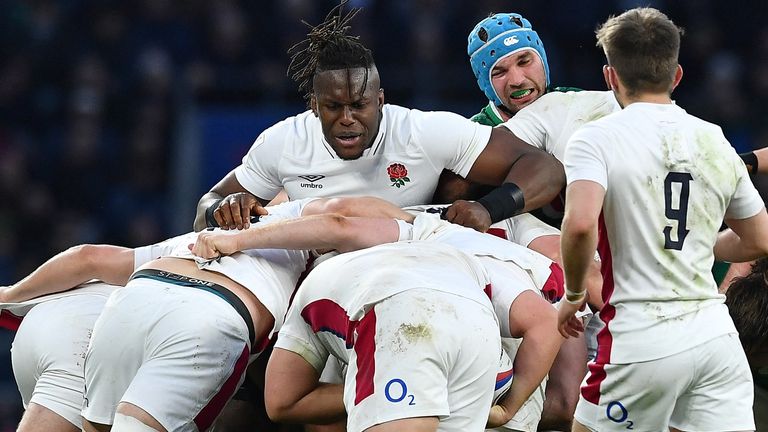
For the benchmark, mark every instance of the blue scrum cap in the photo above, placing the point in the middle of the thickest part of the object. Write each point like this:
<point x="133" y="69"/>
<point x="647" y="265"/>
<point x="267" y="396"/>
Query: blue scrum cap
<point x="496" y="37"/>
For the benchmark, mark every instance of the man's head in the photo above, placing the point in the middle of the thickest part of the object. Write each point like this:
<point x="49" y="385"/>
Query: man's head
<point x="641" y="46"/>
<point x="509" y="61"/>
<point x="341" y="84"/>
<point x="747" y="301"/>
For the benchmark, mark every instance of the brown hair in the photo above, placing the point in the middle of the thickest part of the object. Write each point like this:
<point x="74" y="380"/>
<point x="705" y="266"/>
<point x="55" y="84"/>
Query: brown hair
<point x="642" y="44"/>
<point x="747" y="300"/>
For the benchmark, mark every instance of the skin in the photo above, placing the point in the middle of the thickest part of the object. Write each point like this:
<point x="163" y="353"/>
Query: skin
<point x="349" y="117"/>
<point x="38" y="418"/>
<point x="520" y="71"/>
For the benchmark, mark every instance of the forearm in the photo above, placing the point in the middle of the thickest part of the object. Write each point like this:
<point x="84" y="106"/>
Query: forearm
<point x="532" y="362"/>
<point x="540" y="176"/>
<point x="357" y="207"/>
<point x="205" y="202"/>
<point x="71" y="268"/>
<point x="323" y="405"/>
<point x="578" y="247"/>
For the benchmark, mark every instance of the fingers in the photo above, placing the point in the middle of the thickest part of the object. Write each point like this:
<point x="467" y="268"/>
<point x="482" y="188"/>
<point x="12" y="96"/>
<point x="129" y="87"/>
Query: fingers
<point x="234" y="211"/>
<point x="469" y="214"/>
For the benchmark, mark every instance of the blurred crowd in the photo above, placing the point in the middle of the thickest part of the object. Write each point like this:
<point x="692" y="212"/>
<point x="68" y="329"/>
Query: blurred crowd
<point x="95" y="94"/>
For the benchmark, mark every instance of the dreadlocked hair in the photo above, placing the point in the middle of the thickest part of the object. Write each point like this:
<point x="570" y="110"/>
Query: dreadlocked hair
<point x="328" y="47"/>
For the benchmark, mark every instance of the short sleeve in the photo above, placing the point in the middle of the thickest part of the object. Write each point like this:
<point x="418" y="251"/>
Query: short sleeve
<point x="297" y="336"/>
<point x="258" y="173"/>
<point x="746" y="201"/>
<point x="451" y="141"/>
<point x="584" y="158"/>
<point x="525" y="228"/>
<point x="145" y="254"/>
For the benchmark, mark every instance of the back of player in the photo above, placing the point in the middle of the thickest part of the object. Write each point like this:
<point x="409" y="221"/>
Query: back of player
<point x="670" y="179"/>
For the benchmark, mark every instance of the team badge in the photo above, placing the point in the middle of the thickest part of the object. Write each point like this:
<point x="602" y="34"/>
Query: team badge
<point x="398" y="174"/>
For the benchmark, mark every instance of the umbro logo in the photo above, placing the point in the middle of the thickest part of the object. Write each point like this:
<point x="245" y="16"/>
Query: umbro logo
<point x="312" y="178"/>
<point x="510" y="41"/>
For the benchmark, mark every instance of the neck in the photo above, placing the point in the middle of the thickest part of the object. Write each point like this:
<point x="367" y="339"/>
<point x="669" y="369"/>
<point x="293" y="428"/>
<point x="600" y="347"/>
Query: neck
<point x="655" y="98"/>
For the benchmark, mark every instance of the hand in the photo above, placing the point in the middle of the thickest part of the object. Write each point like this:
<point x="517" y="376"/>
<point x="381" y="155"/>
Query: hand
<point x="567" y="323"/>
<point x="470" y="214"/>
<point x="235" y="211"/>
<point x="497" y="417"/>
<point x="212" y="245"/>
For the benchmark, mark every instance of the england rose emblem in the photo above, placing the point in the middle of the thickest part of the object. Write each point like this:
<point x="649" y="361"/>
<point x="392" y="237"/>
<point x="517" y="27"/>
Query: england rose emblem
<point x="398" y="174"/>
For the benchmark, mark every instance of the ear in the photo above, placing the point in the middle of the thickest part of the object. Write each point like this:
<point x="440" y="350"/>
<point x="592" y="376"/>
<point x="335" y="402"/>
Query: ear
<point x="609" y="74"/>
<point x="313" y="104"/>
<point x="381" y="98"/>
<point x="678" y="76"/>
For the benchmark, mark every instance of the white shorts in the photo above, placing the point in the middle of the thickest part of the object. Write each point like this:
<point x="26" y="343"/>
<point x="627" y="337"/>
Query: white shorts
<point x="48" y="353"/>
<point x="706" y="388"/>
<point x="178" y="353"/>
<point x="528" y="416"/>
<point x="423" y="353"/>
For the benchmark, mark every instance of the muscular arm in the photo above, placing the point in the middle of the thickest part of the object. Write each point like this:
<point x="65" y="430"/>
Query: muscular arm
<point x="76" y="265"/>
<point x="235" y="210"/>
<point x="746" y="240"/>
<point x="294" y="394"/>
<point x="507" y="159"/>
<point x="357" y="206"/>
<point x="535" y="320"/>
<point x="326" y="231"/>
<point x="578" y="240"/>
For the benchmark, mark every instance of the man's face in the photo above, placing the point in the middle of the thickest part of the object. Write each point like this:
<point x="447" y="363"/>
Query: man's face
<point x="350" y="118"/>
<point x="519" y="79"/>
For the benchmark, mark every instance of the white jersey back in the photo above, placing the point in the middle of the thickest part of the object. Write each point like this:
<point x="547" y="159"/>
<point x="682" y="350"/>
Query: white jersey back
<point x="554" y="117"/>
<point x="339" y="291"/>
<point x="670" y="178"/>
<point x="402" y="166"/>
<point x="271" y="274"/>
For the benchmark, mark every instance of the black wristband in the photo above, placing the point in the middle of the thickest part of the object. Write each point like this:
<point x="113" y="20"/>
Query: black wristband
<point x="750" y="160"/>
<point x="210" y="221"/>
<point x="503" y="202"/>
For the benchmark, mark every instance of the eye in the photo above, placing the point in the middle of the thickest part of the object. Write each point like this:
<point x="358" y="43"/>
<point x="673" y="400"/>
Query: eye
<point x="359" y="105"/>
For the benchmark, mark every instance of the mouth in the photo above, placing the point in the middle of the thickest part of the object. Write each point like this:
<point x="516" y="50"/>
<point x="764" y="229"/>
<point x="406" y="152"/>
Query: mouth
<point x="520" y="94"/>
<point x="349" y="140"/>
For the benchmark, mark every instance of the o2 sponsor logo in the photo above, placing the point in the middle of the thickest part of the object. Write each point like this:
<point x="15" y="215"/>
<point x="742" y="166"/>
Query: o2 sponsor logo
<point x="396" y="391"/>
<point x="616" y="413"/>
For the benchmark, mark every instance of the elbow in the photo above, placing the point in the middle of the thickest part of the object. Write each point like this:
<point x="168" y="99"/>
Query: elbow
<point x="88" y="256"/>
<point x="276" y="411"/>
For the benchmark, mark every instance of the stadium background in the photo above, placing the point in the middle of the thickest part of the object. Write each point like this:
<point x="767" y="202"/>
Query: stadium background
<point x="115" y="116"/>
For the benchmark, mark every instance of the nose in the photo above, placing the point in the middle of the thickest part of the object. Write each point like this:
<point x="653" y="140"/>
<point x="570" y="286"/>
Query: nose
<point x="346" y="116"/>
<point x="515" y="76"/>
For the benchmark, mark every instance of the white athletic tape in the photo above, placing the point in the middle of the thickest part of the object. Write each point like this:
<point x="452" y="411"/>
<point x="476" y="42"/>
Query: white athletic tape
<point x="124" y="423"/>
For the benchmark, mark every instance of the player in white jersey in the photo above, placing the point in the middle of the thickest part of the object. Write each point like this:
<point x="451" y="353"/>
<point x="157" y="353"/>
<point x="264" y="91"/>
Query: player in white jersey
<point x="351" y="143"/>
<point x="514" y="271"/>
<point x="271" y="275"/>
<point x="653" y="184"/>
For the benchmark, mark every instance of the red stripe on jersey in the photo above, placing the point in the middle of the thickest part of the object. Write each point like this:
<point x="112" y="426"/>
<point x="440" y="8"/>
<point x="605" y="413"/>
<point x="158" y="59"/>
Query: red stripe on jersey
<point x="498" y="232"/>
<point x="554" y="287"/>
<point x="488" y="291"/>
<point x="365" y="351"/>
<point x="326" y="315"/>
<point x="9" y="321"/>
<point x="208" y="414"/>
<point x="591" y="390"/>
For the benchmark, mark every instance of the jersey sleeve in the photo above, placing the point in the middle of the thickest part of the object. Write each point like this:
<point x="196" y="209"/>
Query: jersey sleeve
<point x="525" y="228"/>
<point x="258" y="173"/>
<point x="145" y="254"/>
<point x="451" y="141"/>
<point x="746" y="201"/>
<point x="584" y="159"/>
<point x="297" y="336"/>
<point x="539" y="121"/>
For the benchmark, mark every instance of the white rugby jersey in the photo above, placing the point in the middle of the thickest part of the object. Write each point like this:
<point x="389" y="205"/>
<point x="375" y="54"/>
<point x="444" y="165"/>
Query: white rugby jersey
<point x="521" y="229"/>
<point x="670" y="179"/>
<point x="271" y="274"/>
<point x="336" y="295"/>
<point x="403" y="164"/>
<point x="553" y="118"/>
